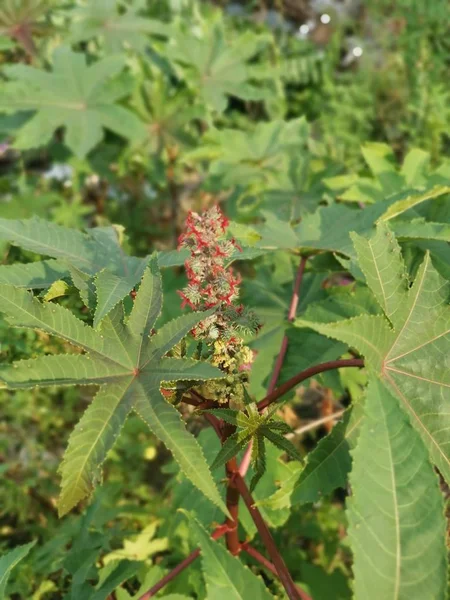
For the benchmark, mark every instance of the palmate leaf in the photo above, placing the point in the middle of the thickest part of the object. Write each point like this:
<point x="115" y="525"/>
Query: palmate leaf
<point x="92" y="260"/>
<point x="411" y="353"/>
<point x="130" y="367"/>
<point x="256" y="160"/>
<point x="396" y="513"/>
<point x="168" y="118"/>
<point x="218" y="67"/>
<point x="225" y="575"/>
<point x="257" y="428"/>
<point x="75" y="96"/>
<point x="100" y="18"/>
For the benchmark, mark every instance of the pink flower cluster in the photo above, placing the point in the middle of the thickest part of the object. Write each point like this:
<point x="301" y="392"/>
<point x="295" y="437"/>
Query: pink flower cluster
<point x="213" y="284"/>
<point x="210" y="283"/>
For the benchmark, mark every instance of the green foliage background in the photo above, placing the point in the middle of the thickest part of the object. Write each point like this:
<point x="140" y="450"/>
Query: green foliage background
<point x="132" y="113"/>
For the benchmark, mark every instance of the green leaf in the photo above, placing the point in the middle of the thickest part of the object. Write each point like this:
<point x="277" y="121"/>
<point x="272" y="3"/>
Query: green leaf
<point x="421" y="229"/>
<point x="90" y="442"/>
<point x="257" y="161"/>
<point x="81" y="256"/>
<point x="226" y="414"/>
<point x="415" y="166"/>
<point x="218" y="67"/>
<point x="376" y="256"/>
<point x="395" y="502"/>
<point x="75" y="96"/>
<point x="282" y="443"/>
<point x="412" y="200"/>
<point x="411" y="358"/>
<point x="148" y="303"/>
<point x="130" y="367"/>
<point x="225" y="575"/>
<point x="100" y="18"/>
<point x="9" y="561"/>
<point x="276" y="234"/>
<point x="56" y="290"/>
<point x="49" y="239"/>
<point x="342" y="303"/>
<point x="232" y="446"/>
<point x="319" y="231"/>
<point x="123" y="571"/>
<point x="258" y="459"/>
<point x="327" y="466"/>
<point x="379" y="158"/>
<point x="37" y="275"/>
<point x="111" y="289"/>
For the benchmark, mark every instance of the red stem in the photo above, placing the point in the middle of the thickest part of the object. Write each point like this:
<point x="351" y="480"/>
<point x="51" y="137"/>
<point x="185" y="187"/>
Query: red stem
<point x="217" y="533"/>
<point x="215" y="422"/>
<point x="269" y="566"/>
<point x="291" y="316"/>
<point x="266" y="536"/>
<point x="306" y="374"/>
<point x="232" y="500"/>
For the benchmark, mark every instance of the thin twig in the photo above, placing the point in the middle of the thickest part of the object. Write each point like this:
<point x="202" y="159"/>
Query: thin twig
<point x="306" y="374"/>
<point x="278" y="562"/>
<point x="217" y="533"/>
<point x="315" y="424"/>
<point x="269" y="566"/>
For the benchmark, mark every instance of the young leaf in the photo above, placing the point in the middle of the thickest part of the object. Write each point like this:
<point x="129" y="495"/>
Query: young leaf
<point x="258" y="459"/>
<point x="396" y="502"/>
<point x="228" y="415"/>
<point x="231" y="448"/>
<point x="225" y="575"/>
<point x="8" y="561"/>
<point x="282" y="443"/>
<point x="411" y="358"/>
<point x="129" y="366"/>
<point x="75" y="96"/>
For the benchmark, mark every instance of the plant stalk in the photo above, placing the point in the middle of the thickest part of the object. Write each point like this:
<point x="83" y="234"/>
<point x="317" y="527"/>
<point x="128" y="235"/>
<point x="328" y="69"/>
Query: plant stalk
<point x="306" y="374"/>
<point x="278" y="562"/>
<point x="246" y="547"/>
<point x="291" y="316"/>
<point x="232" y="501"/>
